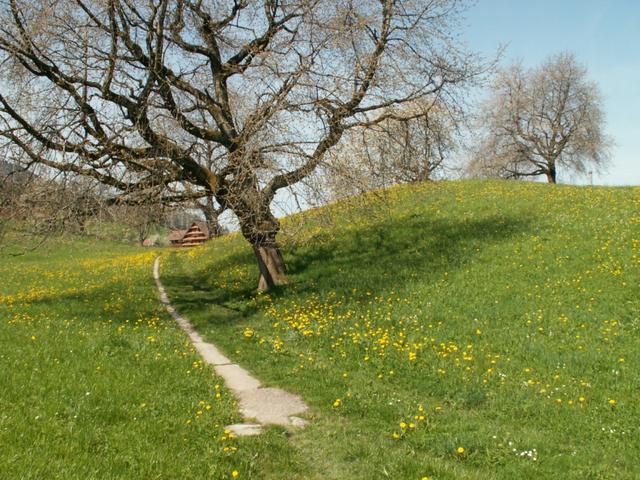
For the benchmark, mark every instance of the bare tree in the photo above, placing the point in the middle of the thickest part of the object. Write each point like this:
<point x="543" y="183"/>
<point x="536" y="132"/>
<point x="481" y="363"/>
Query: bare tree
<point x="35" y="207"/>
<point x="140" y="218"/>
<point x="211" y="215"/>
<point x="135" y="94"/>
<point x="11" y="183"/>
<point x="540" y="120"/>
<point x="408" y="149"/>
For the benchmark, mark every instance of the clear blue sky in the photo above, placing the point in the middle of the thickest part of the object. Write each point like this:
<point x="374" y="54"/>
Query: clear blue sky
<point x="604" y="35"/>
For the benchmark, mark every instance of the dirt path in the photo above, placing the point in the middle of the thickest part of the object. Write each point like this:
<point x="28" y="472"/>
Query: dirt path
<point x="257" y="404"/>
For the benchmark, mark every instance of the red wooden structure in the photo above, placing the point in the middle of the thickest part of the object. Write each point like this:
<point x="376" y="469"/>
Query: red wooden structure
<point x="197" y="234"/>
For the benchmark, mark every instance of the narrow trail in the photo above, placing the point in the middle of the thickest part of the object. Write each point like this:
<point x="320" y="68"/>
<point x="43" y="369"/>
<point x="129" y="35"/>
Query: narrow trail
<point x="257" y="404"/>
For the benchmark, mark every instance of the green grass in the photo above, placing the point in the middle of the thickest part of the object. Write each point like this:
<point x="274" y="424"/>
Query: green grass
<point x="496" y="317"/>
<point x="98" y="383"/>
<point x="501" y="318"/>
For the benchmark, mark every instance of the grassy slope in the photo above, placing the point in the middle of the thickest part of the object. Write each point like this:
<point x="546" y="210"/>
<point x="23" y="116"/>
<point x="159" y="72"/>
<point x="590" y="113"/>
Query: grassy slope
<point x="97" y="382"/>
<point x="500" y="318"/>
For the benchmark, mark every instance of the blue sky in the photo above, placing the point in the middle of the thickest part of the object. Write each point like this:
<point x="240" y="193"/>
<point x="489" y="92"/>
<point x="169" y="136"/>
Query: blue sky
<point x="604" y="35"/>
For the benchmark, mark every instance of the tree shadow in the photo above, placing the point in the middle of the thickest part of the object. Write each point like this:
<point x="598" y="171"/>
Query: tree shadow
<point x="195" y="293"/>
<point x="388" y="255"/>
<point x="111" y="301"/>
<point x="379" y="257"/>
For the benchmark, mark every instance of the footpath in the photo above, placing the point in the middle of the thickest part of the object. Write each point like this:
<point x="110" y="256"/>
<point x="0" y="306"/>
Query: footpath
<point x="258" y="405"/>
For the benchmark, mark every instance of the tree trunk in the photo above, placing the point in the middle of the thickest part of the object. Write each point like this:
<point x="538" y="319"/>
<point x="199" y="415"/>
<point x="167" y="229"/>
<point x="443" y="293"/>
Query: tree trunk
<point x="551" y="174"/>
<point x="260" y="228"/>
<point x="272" y="267"/>
<point x="142" y="234"/>
<point x="211" y="216"/>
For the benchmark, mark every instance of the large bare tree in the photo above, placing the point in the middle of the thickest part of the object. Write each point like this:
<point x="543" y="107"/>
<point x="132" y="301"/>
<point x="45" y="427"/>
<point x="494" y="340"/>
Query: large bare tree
<point x="541" y="120"/>
<point x="229" y="99"/>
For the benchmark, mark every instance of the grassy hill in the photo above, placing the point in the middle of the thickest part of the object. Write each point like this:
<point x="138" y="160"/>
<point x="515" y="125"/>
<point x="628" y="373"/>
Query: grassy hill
<point x="456" y="330"/>
<point x="463" y="330"/>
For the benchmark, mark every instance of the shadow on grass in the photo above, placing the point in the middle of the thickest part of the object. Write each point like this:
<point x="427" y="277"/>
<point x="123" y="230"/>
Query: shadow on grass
<point x="378" y="257"/>
<point x="388" y="255"/>
<point x="194" y="292"/>
<point x="115" y="301"/>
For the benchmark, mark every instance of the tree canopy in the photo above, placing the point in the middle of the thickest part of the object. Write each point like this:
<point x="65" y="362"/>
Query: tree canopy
<point x="229" y="99"/>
